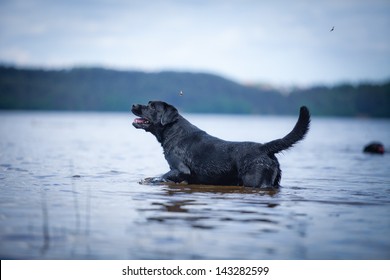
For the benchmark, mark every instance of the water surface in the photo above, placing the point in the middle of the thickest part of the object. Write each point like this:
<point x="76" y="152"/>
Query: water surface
<point x="69" y="190"/>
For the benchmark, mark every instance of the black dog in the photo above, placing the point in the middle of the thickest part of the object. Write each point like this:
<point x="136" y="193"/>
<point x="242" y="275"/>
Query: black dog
<point x="199" y="158"/>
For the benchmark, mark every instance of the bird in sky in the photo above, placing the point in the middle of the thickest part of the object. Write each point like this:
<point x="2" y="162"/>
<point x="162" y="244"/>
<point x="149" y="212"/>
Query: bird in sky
<point x="332" y="29"/>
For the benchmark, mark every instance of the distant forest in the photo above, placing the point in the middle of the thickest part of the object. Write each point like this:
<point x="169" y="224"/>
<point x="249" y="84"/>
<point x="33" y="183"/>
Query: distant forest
<point x="101" y="89"/>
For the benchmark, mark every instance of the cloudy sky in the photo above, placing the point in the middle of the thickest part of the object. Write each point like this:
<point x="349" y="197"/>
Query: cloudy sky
<point x="278" y="42"/>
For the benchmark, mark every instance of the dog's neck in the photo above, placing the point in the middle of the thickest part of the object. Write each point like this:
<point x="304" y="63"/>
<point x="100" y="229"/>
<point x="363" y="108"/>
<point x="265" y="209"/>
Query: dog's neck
<point x="162" y="133"/>
<point x="174" y="130"/>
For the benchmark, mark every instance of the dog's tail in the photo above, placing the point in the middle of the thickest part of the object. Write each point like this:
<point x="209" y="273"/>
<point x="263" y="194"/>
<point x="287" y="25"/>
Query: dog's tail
<point x="298" y="133"/>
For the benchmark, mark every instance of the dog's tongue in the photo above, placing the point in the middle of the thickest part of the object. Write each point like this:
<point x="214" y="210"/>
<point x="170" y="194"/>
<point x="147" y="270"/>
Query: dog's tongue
<point x="140" y="120"/>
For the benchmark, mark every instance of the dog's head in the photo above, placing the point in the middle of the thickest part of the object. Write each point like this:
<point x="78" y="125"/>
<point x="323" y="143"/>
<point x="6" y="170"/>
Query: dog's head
<point x="154" y="116"/>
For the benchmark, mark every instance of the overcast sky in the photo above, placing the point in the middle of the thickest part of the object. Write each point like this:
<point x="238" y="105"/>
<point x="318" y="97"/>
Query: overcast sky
<point x="277" y="42"/>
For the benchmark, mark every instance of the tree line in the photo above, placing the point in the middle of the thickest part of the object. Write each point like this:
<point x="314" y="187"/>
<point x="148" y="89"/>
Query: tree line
<point x="100" y="89"/>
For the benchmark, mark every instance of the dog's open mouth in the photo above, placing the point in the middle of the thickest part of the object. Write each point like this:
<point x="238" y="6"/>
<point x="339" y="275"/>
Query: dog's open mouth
<point x="141" y="123"/>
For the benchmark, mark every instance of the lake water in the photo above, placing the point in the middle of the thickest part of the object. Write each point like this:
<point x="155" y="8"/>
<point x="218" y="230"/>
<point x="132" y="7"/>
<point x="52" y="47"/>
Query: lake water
<point x="69" y="190"/>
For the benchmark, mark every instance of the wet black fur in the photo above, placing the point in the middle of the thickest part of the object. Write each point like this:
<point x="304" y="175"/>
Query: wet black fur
<point x="199" y="158"/>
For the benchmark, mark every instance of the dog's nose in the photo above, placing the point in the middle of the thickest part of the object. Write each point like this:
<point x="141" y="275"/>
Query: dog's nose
<point x="136" y="108"/>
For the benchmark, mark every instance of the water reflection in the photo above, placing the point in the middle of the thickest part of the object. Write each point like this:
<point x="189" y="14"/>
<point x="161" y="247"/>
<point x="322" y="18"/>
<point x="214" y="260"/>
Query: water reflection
<point x="172" y="188"/>
<point x="210" y="208"/>
<point x="176" y="206"/>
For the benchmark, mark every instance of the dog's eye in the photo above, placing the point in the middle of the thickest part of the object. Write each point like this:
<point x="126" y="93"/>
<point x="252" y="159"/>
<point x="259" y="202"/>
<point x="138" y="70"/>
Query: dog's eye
<point x="152" y="106"/>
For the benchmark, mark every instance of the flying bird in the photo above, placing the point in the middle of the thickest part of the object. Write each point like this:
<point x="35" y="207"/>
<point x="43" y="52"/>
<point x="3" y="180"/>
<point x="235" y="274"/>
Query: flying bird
<point x="181" y="93"/>
<point x="332" y="29"/>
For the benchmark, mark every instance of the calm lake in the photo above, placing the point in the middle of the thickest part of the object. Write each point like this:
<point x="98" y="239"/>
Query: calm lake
<point x="70" y="189"/>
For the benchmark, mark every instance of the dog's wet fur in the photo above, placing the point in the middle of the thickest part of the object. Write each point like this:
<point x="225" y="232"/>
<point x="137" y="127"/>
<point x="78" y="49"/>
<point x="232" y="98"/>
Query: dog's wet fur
<point x="196" y="157"/>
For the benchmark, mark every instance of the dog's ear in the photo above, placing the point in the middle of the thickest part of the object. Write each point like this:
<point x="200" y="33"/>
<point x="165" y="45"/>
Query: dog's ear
<point x="170" y="115"/>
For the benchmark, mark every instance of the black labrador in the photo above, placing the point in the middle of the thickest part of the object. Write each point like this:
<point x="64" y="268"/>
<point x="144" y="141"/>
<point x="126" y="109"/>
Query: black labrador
<point x="196" y="157"/>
